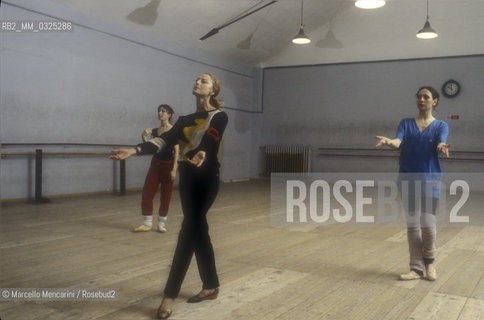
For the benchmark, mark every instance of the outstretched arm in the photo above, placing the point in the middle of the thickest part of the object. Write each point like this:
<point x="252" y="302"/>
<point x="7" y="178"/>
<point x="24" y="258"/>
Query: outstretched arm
<point x="384" y="141"/>
<point x="121" y="154"/>
<point x="443" y="148"/>
<point x="151" y="146"/>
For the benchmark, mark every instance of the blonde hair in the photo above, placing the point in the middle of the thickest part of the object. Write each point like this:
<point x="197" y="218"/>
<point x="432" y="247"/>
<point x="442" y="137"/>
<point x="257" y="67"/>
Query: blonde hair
<point x="217" y="103"/>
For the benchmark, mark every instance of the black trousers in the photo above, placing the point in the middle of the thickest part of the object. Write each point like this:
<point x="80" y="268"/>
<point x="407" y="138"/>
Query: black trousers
<point x="198" y="190"/>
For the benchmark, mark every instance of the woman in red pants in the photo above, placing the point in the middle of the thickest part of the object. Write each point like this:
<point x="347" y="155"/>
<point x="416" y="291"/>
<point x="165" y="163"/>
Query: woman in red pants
<point x="162" y="170"/>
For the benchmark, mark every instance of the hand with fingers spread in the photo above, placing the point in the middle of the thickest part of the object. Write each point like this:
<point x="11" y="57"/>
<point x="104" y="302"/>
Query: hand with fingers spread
<point x="122" y="154"/>
<point x="444" y="149"/>
<point x="384" y="141"/>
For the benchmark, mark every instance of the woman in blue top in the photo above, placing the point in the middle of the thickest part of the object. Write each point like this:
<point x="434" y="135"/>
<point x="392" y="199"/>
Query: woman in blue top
<point x="420" y="141"/>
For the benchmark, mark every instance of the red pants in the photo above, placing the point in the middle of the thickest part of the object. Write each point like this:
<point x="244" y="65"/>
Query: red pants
<point x="159" y="172"/>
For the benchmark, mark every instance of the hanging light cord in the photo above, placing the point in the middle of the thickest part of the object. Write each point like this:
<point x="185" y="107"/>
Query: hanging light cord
<point x="428" y="10"/>
<point x="302" y="9"/>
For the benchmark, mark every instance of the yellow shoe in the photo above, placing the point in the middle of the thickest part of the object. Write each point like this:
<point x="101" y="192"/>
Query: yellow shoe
<point x="142" y="228"/>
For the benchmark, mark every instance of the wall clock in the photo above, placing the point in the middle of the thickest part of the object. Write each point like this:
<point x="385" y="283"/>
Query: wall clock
<point x="451" y="88"/>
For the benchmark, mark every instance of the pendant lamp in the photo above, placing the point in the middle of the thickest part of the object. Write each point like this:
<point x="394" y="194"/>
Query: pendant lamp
<point x="301" y="37"/>
<point x="427" y="32"/>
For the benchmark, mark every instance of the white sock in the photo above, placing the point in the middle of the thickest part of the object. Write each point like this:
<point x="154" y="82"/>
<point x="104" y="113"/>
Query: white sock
<point x="148" y="220"/>
<point x="161" y="224"/>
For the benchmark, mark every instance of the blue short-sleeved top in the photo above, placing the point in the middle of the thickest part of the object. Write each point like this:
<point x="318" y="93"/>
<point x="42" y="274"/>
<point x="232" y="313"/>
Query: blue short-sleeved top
<point x="418" y="151"/>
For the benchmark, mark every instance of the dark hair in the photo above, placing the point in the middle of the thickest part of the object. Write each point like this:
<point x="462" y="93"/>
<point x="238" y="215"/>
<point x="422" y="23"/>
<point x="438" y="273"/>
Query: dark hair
<point x="168" y="109"/>
<point x="433" y="91"/>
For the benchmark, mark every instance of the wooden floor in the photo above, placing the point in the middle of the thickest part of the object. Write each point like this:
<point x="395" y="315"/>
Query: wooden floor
<point x="265" y="272"/>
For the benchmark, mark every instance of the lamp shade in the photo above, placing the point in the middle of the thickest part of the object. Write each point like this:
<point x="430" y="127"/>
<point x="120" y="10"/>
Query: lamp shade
<point x="427" y="32"/>
<point x="146" y="15"/>
<point x="301" y="37"/>
<point x="329" y="41"/>
<point x="245" y="44"/>
<point x="369" y="4"/>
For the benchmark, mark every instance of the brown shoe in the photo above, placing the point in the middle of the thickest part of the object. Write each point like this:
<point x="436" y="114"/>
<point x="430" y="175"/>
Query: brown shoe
<point x="204" y="295"/>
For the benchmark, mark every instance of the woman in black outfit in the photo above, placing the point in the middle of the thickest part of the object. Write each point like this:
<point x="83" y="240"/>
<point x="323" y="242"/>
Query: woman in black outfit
<point x="198" y="136"/>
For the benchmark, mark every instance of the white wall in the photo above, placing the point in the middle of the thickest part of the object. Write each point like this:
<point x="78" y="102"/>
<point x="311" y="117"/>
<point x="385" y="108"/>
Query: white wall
<point x="346" y="105"/>
<point x="100" y="84"/>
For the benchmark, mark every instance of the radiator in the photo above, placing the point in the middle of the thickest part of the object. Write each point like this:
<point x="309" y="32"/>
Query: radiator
<point x="286" y="159"/>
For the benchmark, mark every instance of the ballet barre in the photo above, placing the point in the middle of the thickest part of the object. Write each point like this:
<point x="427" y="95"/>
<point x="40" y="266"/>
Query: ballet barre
<point x="39" y="154"/>
<point x="455" y="155"/>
